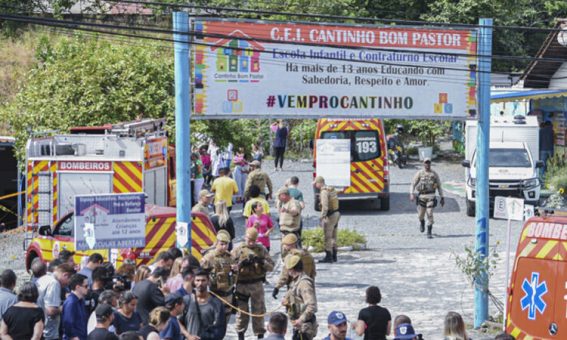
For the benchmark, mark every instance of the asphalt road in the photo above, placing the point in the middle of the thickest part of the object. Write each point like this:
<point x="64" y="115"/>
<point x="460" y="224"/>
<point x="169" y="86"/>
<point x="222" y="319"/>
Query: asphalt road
<point x="417" y="276"/>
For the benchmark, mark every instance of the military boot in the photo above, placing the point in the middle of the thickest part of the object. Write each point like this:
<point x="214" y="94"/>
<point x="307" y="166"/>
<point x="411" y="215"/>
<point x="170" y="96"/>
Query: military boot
<point x="335" y="255"/>
<point x="240" y="335"/>
<point x="422" y="226"/>
<point x="429" y="229"/>
<point x="328" y="258"/>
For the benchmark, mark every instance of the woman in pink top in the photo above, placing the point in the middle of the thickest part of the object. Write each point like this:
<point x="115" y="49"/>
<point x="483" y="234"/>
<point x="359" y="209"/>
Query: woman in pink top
<point x="262" y="222"/>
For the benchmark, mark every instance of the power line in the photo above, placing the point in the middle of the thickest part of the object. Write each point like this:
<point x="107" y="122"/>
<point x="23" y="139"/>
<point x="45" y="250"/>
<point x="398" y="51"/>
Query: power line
<point x="74" y="25"/>
<point x="329" y="16"/>
<point x="222" y="36"/>
<point x="58" y="23"/>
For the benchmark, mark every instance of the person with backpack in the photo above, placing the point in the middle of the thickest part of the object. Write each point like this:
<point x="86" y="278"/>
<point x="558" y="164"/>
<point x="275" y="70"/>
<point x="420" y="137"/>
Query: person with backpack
<point x="300" y="300"/>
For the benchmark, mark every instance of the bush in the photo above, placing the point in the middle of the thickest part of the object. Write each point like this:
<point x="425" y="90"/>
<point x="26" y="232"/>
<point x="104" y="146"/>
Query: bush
<point x="559" y="181"/>
<point x="412" y="151"/>
<point x="345" y="238"/>
<point x="428" y="131"/>
<point x="556" y="174"/>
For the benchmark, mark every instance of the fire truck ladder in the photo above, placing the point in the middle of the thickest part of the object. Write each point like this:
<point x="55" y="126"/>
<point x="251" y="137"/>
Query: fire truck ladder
<point x="145" y="127"/>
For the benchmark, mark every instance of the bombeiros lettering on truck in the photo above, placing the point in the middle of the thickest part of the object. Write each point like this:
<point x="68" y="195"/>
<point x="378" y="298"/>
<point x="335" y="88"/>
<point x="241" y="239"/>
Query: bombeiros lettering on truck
<point x="548" y="230"/>
<point x="85" y="166"/>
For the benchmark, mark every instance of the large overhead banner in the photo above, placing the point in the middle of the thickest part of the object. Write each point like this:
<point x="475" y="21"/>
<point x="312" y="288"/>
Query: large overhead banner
<point x="255" y="69"/>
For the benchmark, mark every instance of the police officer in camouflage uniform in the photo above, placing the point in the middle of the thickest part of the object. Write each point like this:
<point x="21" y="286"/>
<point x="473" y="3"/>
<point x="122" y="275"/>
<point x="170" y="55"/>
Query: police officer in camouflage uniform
<point x="202" y="206"/>
<point x="259" y="178"/>
<point x="222" y="268"/>
<point x="330" y="216"/>
<point x="300" y="300"/>
<point x="253" y="261"/>
<point x="290" y="248"/>
<point x="290" y="213"/>
<point x="426" y="182"/>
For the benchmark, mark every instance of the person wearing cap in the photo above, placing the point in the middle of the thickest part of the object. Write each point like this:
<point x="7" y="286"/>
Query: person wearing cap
<point x="253" y="261"/>
<point x="337" y="324"/>
<point x="104" y="318"/>
<point x="290" y="213"/>
<point x="405" y="331"/>
<point x="426" y="183"/>
<point x="330" y="217"/>
<point x="174" y="303"/>
<point x="202" y="205"/>
<point x="204" y="315"/>
<point x="290" y="248"/>
<point x="222" y="268"/>
<point x="259" y="178"/>
<point x="300" y="300"/>
<point x="224" y="188"/>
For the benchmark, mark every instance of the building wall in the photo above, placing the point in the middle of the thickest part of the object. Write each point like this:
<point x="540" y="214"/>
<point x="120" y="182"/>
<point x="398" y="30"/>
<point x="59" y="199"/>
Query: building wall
<point x="559" y="79"/>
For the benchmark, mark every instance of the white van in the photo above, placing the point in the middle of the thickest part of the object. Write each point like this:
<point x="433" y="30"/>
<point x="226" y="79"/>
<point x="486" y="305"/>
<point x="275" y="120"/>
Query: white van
<point x="513" y="162"/>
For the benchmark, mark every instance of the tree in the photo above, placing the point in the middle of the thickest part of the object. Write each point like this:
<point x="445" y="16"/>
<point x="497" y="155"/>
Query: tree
<point x="511" y="42"/>
<point x="83" y="81"/>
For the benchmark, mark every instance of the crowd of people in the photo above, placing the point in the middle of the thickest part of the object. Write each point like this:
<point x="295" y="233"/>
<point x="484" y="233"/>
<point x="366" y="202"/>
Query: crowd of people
<point x="196" y="303"/>
<point x="181" y="297"/>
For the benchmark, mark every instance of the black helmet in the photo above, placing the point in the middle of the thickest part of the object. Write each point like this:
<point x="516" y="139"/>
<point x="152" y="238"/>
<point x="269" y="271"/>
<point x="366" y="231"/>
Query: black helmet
<point x="399" y="128"/>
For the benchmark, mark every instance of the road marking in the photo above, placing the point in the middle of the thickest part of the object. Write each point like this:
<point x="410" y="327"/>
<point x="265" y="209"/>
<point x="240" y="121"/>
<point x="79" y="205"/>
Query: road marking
<point x="455" y="187"/>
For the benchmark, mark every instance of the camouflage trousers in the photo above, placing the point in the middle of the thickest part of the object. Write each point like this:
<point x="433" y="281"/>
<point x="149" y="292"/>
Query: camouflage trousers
<point x="253" y="294"/>
<point x="330" y="226"/>
<point x="425" y="205"/>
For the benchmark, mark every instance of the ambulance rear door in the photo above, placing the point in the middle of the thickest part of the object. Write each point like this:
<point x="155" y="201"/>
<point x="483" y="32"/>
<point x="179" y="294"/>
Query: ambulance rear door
<point x="533" y="300"/>
<point x="538" y="298"/>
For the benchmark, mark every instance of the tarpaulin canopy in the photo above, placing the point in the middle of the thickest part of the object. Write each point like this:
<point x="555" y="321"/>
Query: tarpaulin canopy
<point x="527" y="95"/>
